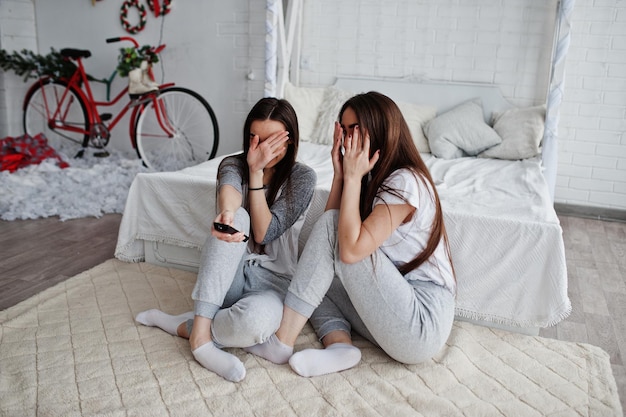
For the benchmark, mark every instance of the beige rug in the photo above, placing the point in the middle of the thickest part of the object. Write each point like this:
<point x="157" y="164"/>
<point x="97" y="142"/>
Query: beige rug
<point x="75" y="350"/>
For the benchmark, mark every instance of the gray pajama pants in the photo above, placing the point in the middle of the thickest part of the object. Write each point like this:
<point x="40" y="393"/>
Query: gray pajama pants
<point x="244" y="300"/>
<point x="409" y="320"/>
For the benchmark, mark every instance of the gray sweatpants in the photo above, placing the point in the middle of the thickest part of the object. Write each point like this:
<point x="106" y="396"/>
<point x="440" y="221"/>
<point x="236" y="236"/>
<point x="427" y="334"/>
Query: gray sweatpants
<point x="409" y="320"/>
<point x="244" y="300"/>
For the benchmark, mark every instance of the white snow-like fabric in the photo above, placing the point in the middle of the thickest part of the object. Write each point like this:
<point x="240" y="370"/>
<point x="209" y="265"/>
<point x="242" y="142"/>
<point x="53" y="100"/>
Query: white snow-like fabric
<point x="505" y="236"/>
<point x="90" y="187"/>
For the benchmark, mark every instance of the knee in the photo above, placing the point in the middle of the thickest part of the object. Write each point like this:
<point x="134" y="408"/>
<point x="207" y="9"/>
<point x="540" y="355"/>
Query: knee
<point x="258" y="317"/>
<point x="242" y="220"/>
<point x="249" y="321"/>
<point x="415" y="351"/>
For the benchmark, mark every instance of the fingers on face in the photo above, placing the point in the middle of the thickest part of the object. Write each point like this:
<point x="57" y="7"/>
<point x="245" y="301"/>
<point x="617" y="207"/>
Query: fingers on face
<point x="347" y="142"/>
<point x="357" y="142"/>
<point x="354" y="139"/>
<point x="366" y="141"/>
<point x="281" y="144"/>
<point x="277" y="141"/>
<point x="338" y="132"/>
<point x="362" y="139"/>
<point x="279" y="137"/>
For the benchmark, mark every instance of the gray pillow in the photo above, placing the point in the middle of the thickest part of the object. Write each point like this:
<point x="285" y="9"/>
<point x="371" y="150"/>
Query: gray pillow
<point x="521" y="130"/>
<point x="416" y="117"/>
<point x="461" y="131"/>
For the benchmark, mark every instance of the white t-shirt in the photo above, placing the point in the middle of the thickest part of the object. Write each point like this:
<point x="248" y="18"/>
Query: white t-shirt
<point x="410" y="238"/>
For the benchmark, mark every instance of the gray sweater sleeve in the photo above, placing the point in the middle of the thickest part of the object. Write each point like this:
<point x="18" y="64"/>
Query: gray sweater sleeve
<point x="294" y="199"/>
<point x="231" y="173"/>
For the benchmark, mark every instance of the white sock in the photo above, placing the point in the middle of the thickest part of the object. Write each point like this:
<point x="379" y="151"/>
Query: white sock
<point x="164" y="321"/>
<point x="272" y="349"/>
<point x="222" y="363"/>
<point x="314" y="362"/>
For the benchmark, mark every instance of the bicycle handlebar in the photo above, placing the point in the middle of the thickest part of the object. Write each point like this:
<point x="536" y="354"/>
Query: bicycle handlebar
<point x="156" y="50"/>
<point x="123" y="38"/>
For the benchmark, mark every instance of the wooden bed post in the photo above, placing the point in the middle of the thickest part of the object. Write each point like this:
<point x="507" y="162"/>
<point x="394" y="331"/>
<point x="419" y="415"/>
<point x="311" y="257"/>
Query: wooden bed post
<point x="549" y="153"/>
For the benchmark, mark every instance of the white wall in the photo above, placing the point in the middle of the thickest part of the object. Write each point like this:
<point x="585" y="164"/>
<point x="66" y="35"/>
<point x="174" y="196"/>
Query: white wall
<point x="17" y="32"/>
<point x="506" y="42"/>
<point x="592" y="149"/>
<point x="211" y="48"/>
<point x="212" y="45"/>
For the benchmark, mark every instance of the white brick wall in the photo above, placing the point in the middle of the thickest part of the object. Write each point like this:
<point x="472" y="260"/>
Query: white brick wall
<point x="592" y="164"/>
<point x="211" y="48"/>
<point x="473" y="40"/>
<point x="507" y="42"/>
<point x="17" y="32"/>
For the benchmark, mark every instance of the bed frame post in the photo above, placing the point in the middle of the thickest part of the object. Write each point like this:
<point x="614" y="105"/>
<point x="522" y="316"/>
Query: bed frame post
<point x="294" y="14"/>
<point x="279" y="44"/>
<point x="549" y="153"/>
<point x="273" y="17"/>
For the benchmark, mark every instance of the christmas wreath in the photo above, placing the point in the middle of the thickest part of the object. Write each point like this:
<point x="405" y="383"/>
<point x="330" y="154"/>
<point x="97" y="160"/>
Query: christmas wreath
<point x="162" y="10"/>
<point x="131" y="58"/>
<point x="124" y="16"/>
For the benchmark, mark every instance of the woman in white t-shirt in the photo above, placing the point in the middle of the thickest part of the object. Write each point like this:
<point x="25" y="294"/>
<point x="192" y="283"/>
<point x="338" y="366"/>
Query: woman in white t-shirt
<point x="378" y="260"/>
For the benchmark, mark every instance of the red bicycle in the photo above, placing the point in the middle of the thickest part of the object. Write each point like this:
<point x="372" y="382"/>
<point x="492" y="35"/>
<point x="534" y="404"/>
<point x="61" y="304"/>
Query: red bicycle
<point x="170" y="128"/>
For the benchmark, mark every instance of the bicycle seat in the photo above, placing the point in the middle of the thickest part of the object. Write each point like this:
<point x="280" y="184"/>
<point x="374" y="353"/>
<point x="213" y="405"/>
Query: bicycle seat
<point x="75" y="53"/>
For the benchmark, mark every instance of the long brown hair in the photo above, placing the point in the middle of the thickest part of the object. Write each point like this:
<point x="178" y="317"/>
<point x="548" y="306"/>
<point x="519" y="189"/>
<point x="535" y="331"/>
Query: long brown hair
<point x="270" y="108"/>
<point x="380" y="117"/>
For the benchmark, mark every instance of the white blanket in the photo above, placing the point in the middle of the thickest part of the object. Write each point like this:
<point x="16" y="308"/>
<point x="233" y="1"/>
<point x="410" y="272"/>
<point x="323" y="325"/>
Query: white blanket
<point x="505" y="237"/>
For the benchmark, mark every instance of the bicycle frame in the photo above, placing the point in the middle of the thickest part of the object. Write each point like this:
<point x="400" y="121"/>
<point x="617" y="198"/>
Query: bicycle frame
<point x="79" y="83"/>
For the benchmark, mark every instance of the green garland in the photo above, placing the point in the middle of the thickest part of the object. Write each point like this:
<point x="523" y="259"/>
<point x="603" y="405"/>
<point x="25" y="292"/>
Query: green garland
<point x="131" y="58"/>
<point x="32" y="65"/>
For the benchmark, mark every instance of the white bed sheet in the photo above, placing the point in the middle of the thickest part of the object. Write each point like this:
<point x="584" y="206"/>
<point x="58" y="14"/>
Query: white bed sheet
<point x="505" y="237"/>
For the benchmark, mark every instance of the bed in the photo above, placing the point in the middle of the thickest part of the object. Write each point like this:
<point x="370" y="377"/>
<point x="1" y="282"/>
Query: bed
<point x="506" y="241"/>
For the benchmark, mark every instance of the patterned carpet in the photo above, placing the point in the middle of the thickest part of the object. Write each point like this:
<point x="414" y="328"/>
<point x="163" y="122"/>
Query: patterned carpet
<point x="75" y="350"/>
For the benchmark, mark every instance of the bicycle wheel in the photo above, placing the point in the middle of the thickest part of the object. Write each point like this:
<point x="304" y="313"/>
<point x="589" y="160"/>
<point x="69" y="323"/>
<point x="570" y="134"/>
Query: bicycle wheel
<point x="40" y="105"/>
<point x="194" y="126"/>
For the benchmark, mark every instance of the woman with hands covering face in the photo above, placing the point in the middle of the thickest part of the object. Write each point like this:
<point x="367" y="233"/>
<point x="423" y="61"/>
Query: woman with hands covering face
<point x="264" y="193"/>
<point x="377" y="261"/>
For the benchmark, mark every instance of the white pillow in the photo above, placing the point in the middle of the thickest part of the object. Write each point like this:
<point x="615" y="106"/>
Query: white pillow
<point x="306" y="102"/>
<point x="461" y="131"/>
<point x="329" y="111"/>
<point x="521" y="131"/>
<point x="416" y="117"/>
